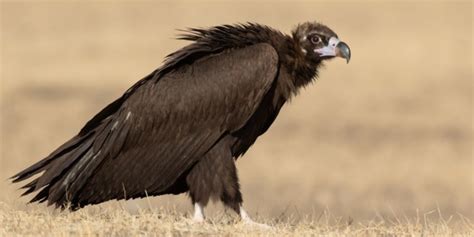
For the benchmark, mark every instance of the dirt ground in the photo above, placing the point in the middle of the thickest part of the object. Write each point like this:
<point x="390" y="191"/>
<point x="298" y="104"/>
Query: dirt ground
<point x="388" y="135"/>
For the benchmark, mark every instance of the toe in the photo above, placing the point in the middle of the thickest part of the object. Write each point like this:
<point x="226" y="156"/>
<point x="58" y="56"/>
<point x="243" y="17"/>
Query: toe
<point x="198" y="220"/>
<point x="253" y="224"/>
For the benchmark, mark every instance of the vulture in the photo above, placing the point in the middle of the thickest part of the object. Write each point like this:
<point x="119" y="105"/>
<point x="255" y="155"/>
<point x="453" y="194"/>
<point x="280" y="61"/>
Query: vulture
<point x="181" y="128"/>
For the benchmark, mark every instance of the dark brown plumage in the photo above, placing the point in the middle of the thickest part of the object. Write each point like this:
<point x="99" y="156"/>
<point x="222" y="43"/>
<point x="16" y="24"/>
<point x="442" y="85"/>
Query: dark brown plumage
<point x="180" y="128"/>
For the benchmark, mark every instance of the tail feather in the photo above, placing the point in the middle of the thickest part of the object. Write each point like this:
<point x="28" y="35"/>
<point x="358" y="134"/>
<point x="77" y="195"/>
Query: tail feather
<point x="41" y="196"/>
<point x="56" y="166"/>
<point x="73" y="182"/>
<point x="62" y="164"/>
<point x="43" y="164"/>
<point x="68" y="168"/>
<point x="61" y="191"/>
<point x="31" y="186"/>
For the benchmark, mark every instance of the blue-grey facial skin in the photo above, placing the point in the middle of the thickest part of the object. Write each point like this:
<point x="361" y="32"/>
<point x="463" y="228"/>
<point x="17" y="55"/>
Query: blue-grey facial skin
<point x="335" y="48"/>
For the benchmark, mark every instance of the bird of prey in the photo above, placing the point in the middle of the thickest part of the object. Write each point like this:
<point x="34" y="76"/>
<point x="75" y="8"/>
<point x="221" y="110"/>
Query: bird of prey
<point x="181" y="128"/>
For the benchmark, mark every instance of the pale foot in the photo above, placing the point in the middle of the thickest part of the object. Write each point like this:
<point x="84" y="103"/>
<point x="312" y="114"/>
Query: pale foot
<point x="198" y="213"/>
<point x="253" y="224"/>
<point x="246" y="220"/>
<point x="197" y="220"/>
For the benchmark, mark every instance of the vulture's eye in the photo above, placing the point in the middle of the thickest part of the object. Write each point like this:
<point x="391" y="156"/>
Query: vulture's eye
<point x="315" y="39"/>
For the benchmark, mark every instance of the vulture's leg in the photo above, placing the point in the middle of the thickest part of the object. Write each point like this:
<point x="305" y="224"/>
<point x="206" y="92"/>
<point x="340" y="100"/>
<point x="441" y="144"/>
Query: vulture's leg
<point x="201" y="182"/>
<point x="215" y="175"/>
<point x="231" y="195"/>
<point x="198" y="212"/>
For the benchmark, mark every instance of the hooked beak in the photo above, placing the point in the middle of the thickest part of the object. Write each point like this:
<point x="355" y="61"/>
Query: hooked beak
<point x="335" y="48"/>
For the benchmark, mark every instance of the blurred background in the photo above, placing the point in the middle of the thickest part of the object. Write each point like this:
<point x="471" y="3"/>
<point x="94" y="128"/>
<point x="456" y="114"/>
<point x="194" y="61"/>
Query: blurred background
<point x="389" y="133"/>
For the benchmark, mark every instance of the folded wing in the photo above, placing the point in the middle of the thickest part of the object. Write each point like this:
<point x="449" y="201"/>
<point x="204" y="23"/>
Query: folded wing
<point x="162" y="128"/>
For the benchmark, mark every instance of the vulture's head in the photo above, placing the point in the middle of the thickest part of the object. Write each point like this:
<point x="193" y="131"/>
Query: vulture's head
<point x="317" y="42"/>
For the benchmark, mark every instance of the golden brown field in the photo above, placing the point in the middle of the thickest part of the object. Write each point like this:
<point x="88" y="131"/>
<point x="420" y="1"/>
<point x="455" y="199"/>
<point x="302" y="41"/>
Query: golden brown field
<point x="381" y="146"/>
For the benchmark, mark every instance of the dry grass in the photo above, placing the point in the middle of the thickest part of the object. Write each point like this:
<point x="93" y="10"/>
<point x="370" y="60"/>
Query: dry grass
<point x="169" y="222"/>
<point x="386" y="137"/>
